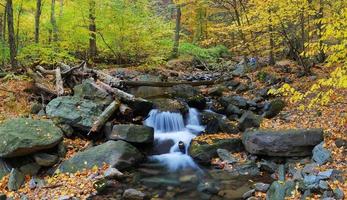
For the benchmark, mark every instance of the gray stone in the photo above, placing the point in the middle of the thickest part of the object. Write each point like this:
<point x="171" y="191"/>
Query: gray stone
<point x="5" y="168"/>
<point x="160" y="181"/>
<point x="234" y="100"/>
<point x="76" y="112"/>
<point x="279" y="190"/>
<point x="132" y="133"/>
<point x="132" y="194"/>
<point x="216" y="123"/>
<point x="233" y="110"/>
<point x="310" y="168"/>
<point x="339" y="194"/>
<point x="286" y="143"/>
<point x="326" y="174"/>
<point x="225" y="155"/>
<point x="30" y="169"/>
<point x="203" y="152"/>
<point x="249" y="120"/>
<point x="311" y="182"/>
<point x="262" y="187"/>
<point x="23" y="136"/>
<point x="268" y="166"/>
<point x="216" y="91"/>
<point x="111" y="173"/>
<point x="323" y="185"/>
<point x="321" y="155"/>
<point x="248" y="194"/>
<point x="15" y="180"/>
<point x="208" y="187"/>
<point x="67" y="130"/>
<point x="61" y="150"/>
<point x="118" y="154"/>
<point x="274" y="108"/>
<point x="91" y="91"/>
<point x="184" y="91"/>
<point x="45" y="159"/>
<point x="170" y="105"/>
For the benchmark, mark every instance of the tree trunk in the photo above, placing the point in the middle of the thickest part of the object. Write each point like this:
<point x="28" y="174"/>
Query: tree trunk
<point x="175" y="52"/>
<point x="54" y="31"/>
<point x="2" y="41"/>
<point x="92" y="30"/>
<point x="18" y="22"/>
<point x="11" y="36"/>
<point x="272" y="42"/>
<point x="37" y="20"/>
<point x="320" y="15"/>
<point x="61" y="8"/>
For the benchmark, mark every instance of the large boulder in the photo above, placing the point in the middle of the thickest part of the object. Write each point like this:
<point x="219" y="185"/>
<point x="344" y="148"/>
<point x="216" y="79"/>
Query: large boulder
<point x="274" y="108"/>
<point x="249" y="120"/>
<point x="287" y="143"/>
<point x="74" y="111"/>
<point x="170" y="105"/>
<point x="118" y="154"/>
<point x="91" y="91"/>
<point x="24" y="136"/>
<point x="216" y="123"/>
<point x="184" y="91"/>
<point x="203" y="152"/>
<point x="234" y="100"/>
<point x="132" y="133"/>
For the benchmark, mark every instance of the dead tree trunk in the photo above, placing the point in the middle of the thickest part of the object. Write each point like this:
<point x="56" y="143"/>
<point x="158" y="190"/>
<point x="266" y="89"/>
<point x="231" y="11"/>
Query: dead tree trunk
<point x="92" y="30"/>
<point x="175" y="52"/>
<point x="37" y="20"/>
<point x="11" y="34"/>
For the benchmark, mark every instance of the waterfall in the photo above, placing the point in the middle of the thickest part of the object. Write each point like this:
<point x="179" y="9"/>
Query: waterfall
<point x="171" y="126"/>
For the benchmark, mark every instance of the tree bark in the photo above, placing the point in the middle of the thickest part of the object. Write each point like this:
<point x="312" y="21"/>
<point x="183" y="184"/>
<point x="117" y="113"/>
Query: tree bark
<point x="61" y="8"/>
<point x="175" y="52"/>
<point x="11" y="34"/>
<point x="59" y="82"/>
<point x="105" y="115"/>
<point x="18" y="23"/>
<point x="37" y="20"/>
<point x="92" y="30"/>
<point x="272" y="43"/>
<point x="54" y="30"/>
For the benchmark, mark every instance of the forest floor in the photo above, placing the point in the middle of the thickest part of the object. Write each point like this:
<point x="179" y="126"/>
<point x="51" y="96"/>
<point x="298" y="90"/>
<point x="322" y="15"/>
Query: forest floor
<point x="15" y="102"/>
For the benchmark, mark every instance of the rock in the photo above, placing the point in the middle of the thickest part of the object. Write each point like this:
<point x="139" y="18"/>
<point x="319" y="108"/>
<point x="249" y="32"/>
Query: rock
<point x="339" y="195"/>
<point x="245" y="169"/>
<point x="184" y="91"/>
<point x="341" y="143"/>
<point x="321" y="155"/>
<point x="234" y="100"/>
<point x="160" y="181"/>
<point x="76" y="112"/>
<point x="22" y="136"/>
<point x="274" y="108"/>
<point x="35" y="108"/>
<point x="137" y="134"/>
<point x="5" y="168"/>
<point x="225" y="155"/>
<point x="198" y="102"/>
<point x="268" y="166"/>
<point x="323" y="185"/>
<point x="261" y="187"/>
<point x="30" y="169"/>
<point x="249" y="120"/>
<point x="279" y="190"/>
<point x="326" y="174"/>
<point x="310" y="168"/>
<point x="216" y="123"/>
<point x="248" y="194"/>
<point x="241" y="88"/>
<point x="170" y="105"/>
<point x="216" y="91"/>
<point x="233" y="110"/>
<point x="45" y="159"/>
<point x="287" y="143"/>
<point x="111" y="173"/>
<point x="311" y="182"/>
<point x="132" y="194"/>
<point x="91" y="91"/>
<point x="67" y="130"/>
<point x="203" y="152"/>
<point x="118" y="154"/>
<point x="208" y="187"/>
<point x="15" y="180"/>
<point x="61" y="150"/>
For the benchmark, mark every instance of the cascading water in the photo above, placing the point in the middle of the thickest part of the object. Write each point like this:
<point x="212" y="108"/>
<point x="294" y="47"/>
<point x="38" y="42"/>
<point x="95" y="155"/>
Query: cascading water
<point x="169" y="126"/>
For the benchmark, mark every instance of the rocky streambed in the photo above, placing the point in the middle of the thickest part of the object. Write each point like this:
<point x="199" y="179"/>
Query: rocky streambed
<point x="219" y="151"/>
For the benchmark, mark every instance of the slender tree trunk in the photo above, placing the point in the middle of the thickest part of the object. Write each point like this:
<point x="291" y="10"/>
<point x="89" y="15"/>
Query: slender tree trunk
<point x="18" y="23"/>
<point x="54" y="31"/>
<point x="272" y="43"/>
<point x="175" y="52"/>
<point x="320" y="15"/>
<point x="61" y="8"/>
<point x="92" y="30"/>
<point x="4" y="25"/>
<point x="37" y="20"/>
<point x="11" y="36"/>
<point x="2" y="41"/>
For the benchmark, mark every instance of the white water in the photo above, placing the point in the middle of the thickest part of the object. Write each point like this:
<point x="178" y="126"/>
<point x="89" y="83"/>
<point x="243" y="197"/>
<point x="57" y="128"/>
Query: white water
<point x="171" y="126"/>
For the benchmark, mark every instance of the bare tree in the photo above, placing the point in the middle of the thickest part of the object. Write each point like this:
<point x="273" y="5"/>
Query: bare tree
<point x="175" y="52"/>
<point x="11" y="36"/>
<point x="54" y="31"/>
<point x="37" y="20"/>
<point x="92" y="30"/>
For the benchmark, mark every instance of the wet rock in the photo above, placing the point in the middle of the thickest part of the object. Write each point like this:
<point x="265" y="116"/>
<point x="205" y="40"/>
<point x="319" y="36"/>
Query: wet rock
<point x="268" y="166"/>
<point x="111" y="173"/>
<point x="339" y="194"/>
<point x="160" y="181"/>
<point x="326" y="174"/>
<point x="132" y="133"/>
<point x="274" y="108"/>
<point x="45" y="159"/>
<point x="76" y="112"/>
<point x="208" y="187"/>
<point x="216" y="91"/>
<point x="184" y="91"/>
<point x="61" y="149"/>
<point x="310" y="168"/>
<point x="198" y="102"/>
<point x="321" y="155"/>
<point x="91" y="91"/>
<point x="279" y="190"/>
<point x="203" y="152"/>
<point x="23" y="136"/>
<point x="245" y="169"/>
<point x="263" y="92"/>
<point x="216" y="123"/>
<point x="170" y="105"/>
<point x="226" y="156"/>
<point x="323" y="185"/>
<point x="287" y="143"/>
<point x="234" y="100"/>
<point x="35" y="108"/>
<point x="233" y="110"/>
<point x="249" y="120"/>
<point x="341" y="143"/>
<point x="261" y="187"/>
<point x="132" y="194"/>
<point x="311" y="182"/>
<point x="248" y="194"/>
<point x="118" y="154"/>
<point x="67" y="130"/>
<point x="30" y="169"/>
<point x="15" y="180"/>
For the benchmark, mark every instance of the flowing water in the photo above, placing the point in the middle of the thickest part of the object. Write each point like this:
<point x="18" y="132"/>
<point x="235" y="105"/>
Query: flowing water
<point x="170" y="126"/>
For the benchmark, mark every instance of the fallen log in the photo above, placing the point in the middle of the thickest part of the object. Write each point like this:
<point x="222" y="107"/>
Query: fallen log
<point x="106" y="78"/>
<point x="105" y="115"/>
<point x="59" y="82"/>
<point x="171" y="84"/>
